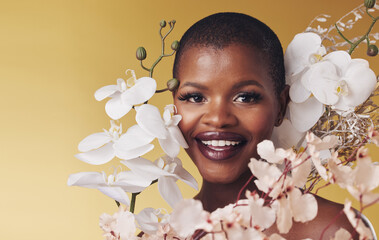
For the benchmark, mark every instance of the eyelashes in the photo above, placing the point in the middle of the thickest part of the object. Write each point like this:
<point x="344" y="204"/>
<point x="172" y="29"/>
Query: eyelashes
<point x="194" y="97"/>
<point x="242" y="97"/>
<point x="248" y="97"/>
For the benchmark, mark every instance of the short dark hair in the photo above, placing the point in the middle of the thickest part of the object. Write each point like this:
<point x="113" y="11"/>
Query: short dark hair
<point x="222" y="29"/>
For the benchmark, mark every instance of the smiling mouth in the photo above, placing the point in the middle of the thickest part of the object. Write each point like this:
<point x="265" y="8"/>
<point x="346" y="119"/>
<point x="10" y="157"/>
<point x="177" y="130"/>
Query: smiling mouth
<point x="219" y="146"/>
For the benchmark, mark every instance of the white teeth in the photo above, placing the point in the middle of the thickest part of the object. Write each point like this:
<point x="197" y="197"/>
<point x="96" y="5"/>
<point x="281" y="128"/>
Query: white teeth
<point x="220" y="143"/>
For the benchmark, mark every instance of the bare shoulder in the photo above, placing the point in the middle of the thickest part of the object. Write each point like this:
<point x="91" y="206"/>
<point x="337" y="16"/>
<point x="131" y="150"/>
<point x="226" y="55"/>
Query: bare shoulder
<point x="330" y="218"/>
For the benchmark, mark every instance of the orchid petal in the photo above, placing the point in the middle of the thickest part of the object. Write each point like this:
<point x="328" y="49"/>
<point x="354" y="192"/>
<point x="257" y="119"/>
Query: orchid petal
<point x="299" y="51"/>
<point x="298" y="93"/>
<point x="169" y="190"/>
<point x="98" y="156"/>
<point x="131" y="182"/>
<point x="322" y="82"/>
<point x="105" y="92"/>
<point x="94" y="141"/>
<point x="116" y="109"/>
<point x="176" y="119"/>
<point x="170" y="146"/>
<point x="134" y="137"/>
<point x="145" y="168"/>
<point x="133" y="153"/>
<point x="361" y="82"/>
<point x="149" y="119"/>
<point x="86" y="179"/>
<point x="177" y="136"/>
<point x="185" y="176"/>
<point x="286" y="136"/>
<point x="305" y="115"/>
<point x="116" y="193"/>
<point x="142" y="91"/>
<point x="166" y="115"/>
<point x="341" y="59"/>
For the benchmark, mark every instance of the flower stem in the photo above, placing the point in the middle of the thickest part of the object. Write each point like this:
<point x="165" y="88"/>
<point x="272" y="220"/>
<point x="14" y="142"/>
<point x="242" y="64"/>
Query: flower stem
<point x="151" y="70"/>
<point x="353" y="45"/>
<point x="133" y="202"/>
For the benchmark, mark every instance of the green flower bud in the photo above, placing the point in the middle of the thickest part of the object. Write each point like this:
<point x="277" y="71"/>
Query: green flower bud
<point x="141" y="53"/>
<point x="173" y="21"/>
<point x="372" y="50"/>
<point x="175" y="45"/>
<point x="163" y="23"/>
<point x="172" y="84"/>
<point x="370" y="3"/>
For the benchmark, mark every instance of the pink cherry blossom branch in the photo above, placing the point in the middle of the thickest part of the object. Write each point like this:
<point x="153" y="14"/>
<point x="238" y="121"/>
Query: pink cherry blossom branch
<point x="330" y="224"/>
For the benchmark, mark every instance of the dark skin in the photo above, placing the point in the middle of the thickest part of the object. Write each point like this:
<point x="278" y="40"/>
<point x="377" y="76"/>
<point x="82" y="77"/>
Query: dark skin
<point x="230" y="90"/>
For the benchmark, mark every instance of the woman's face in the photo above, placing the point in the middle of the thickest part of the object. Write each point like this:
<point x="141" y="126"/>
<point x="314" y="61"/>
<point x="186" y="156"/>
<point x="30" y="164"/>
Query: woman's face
<point x="228" y="103"/>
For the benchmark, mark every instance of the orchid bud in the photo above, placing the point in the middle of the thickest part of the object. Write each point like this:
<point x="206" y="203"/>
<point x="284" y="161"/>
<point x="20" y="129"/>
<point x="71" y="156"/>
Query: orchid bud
<point x="141" y="53"/>
<point x="172" y="84"/>
<point x="175" y="45"/>
<point x="372" y="50"/>
<point x="370" y="3"/>
<point x="162" y="23"/>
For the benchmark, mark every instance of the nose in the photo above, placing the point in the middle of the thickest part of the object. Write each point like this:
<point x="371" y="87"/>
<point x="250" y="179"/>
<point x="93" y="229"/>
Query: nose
<point x="219" y="115"/>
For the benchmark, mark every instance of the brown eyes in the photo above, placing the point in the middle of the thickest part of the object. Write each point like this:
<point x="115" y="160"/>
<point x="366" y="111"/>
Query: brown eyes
<point x="243" y="97"/>
<point x="248" y="97"/>
<point x="192" y="97"/>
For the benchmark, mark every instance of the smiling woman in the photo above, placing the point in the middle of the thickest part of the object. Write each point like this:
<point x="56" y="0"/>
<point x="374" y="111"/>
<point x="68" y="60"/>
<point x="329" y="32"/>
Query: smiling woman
<point x="231" y="95"/>
<point x="229" y="98"/>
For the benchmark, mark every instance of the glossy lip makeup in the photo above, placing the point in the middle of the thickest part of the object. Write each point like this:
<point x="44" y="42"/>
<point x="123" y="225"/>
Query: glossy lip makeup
<point x="219" y="146"/>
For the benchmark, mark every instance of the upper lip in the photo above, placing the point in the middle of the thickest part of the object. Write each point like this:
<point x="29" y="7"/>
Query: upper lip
<point x="229" y="136"/>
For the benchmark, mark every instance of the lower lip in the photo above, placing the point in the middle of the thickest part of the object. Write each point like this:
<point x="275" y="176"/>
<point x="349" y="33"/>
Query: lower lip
<point x="218" y="153"/>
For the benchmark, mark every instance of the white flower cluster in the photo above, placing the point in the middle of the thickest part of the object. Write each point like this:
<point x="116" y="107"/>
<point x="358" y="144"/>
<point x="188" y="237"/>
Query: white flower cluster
<point x="317" y="80"/>
<point x="100" y="148"/>
<point x="282" y="202"/>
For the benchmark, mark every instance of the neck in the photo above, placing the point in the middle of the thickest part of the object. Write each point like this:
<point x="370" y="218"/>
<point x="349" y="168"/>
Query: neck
<point x="218" y="195"/>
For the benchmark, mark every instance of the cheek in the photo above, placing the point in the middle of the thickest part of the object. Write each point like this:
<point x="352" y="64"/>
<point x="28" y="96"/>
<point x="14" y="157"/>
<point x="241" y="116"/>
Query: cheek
<point x="189" y="119"/>
<point x="259" y="123"/>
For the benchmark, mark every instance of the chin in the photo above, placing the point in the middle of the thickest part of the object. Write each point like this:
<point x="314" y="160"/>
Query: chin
<point x="227" y="176"/>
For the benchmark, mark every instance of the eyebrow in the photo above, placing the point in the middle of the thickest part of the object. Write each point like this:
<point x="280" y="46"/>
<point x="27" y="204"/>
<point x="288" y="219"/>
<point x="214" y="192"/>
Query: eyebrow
<point x="236" y="86"/>
<point x="193" y="84"/>
<point x="246" y="83"/>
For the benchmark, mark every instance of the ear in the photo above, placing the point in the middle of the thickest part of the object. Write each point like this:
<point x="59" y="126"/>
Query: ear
<point x="283" y="102"/>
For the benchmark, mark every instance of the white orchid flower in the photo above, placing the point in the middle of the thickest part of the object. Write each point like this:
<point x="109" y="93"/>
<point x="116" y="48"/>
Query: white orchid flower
<point x="341" y="81"/>
<point x="114" y="186"/>
<point x="149" y="219"/>
<point x="100" y="148"/>
<point x="167" y="171"/>
<point x="303" y="51"/>
<point x="166" y="130"/>
<point x="126" y="94"/>
<point x="97" y="148"/>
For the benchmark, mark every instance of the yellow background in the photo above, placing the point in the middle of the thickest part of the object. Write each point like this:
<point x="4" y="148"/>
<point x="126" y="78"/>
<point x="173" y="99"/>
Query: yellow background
<point x="53" y="56"/>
